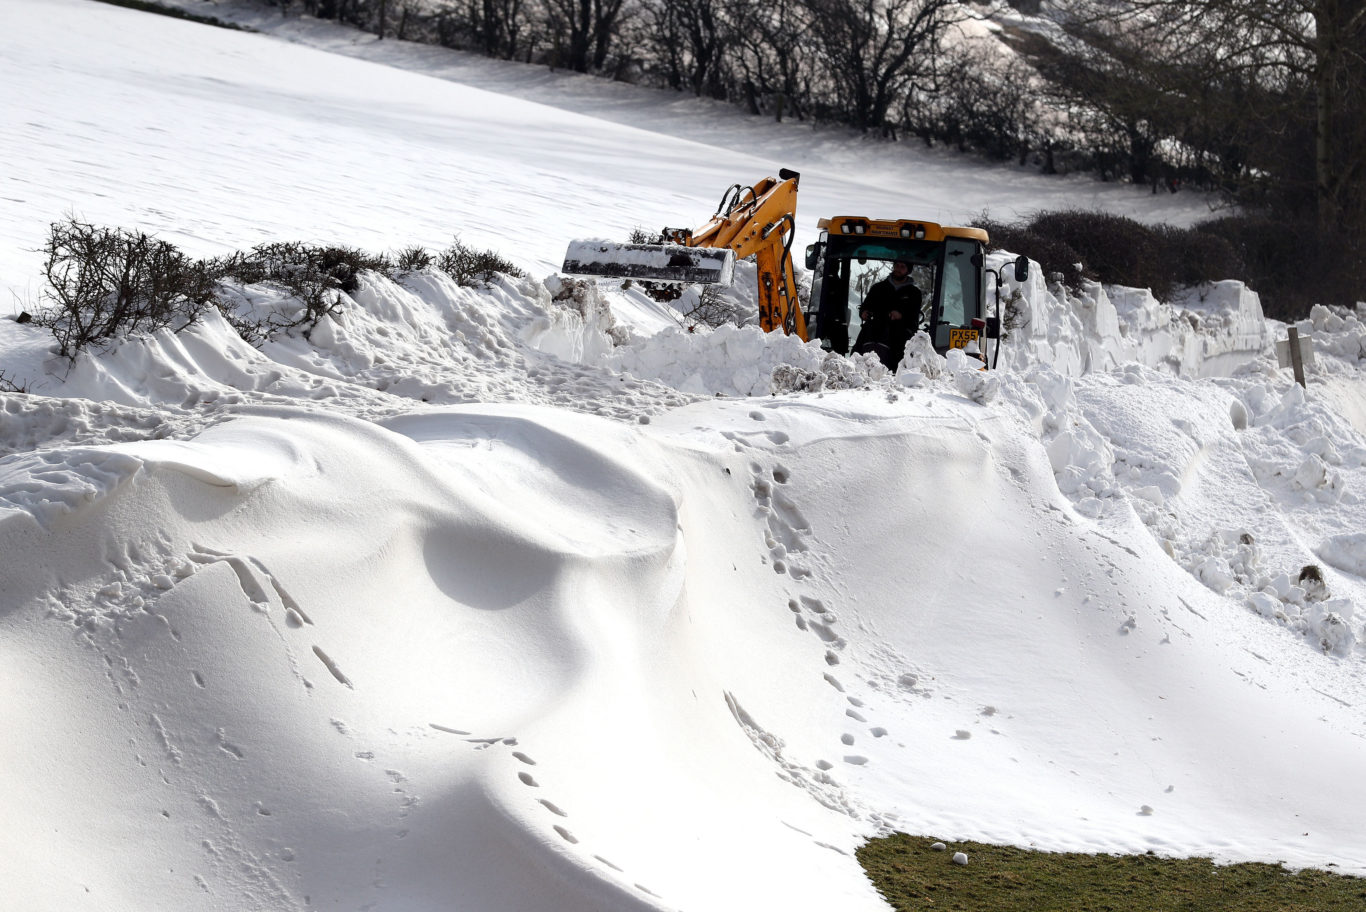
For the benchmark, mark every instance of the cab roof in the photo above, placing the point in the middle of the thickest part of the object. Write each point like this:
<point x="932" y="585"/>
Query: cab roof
<point x="894" y="228"/>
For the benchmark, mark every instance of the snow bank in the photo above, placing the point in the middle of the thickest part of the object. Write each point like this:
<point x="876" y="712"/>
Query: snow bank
<point x="1200" y="465"/>
<point x="1207" y="331"/>
<point x="1346" y="552"/>
<point x="739" y="361"/>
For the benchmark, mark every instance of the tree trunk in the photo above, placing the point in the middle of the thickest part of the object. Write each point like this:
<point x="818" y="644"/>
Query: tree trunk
<point x="1327" y="54"/>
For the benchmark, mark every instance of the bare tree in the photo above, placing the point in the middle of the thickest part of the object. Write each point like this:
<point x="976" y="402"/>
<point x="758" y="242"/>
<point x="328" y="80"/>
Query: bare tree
<point x="498" y="26"/>
<point x="582" y="31"/>
<point x="1277" y="47"/>
<point x="1117" y="101"/>
<point x="775" y="66"/>
<point x="873" y="49"/>
<point x="983" y="100"/>
<point x="685" y="41"/>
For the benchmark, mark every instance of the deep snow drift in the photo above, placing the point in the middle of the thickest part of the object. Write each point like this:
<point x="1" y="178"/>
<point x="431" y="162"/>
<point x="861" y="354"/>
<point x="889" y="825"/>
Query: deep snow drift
<point x="524" y="598"/>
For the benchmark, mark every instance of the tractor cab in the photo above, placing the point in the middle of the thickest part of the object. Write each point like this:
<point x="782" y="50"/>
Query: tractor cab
<point x="946" y="264"/>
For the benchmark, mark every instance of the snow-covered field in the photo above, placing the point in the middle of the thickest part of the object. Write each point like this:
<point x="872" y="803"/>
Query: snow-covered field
<point x="510" y="600"/>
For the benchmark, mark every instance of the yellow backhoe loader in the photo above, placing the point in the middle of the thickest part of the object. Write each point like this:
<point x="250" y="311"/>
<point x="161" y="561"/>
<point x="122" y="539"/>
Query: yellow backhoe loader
<point x="851" y="253"/>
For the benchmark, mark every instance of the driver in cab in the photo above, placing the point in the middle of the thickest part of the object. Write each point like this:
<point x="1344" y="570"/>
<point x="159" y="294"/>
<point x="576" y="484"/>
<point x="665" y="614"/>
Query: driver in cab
<point x="889" y="313"/>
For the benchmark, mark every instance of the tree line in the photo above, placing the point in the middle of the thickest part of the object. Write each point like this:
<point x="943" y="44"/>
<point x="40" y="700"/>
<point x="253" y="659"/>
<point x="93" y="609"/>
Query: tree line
<point x="1262" y="100"/>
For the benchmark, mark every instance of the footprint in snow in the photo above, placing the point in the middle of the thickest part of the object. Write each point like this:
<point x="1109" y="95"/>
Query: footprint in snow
<point x="227" y="747"/>
<point x="332" y="667"/>
<point x="447" y="729"/>
<point x="608" y="863"/>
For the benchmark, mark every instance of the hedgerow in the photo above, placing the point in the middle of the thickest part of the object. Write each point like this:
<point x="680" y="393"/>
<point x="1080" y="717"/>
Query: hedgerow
<point x="1290" y="264"/>
<point x="109" y="283"/>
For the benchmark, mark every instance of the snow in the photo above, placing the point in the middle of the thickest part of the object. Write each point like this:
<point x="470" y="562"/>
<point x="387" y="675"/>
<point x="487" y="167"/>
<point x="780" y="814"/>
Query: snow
<point x="528" y="597"/>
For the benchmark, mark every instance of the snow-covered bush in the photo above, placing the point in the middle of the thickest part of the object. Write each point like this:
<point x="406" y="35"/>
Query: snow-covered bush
<point x="108" y="283"/>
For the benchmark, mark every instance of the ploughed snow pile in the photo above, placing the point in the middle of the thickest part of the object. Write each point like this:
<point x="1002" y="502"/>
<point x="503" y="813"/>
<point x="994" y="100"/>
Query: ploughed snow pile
<point x="1210" y="331"/>
<point x="484" y="597"/>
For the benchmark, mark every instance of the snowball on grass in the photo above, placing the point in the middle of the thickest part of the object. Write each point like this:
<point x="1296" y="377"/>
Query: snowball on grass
<point x="960" y="858"/>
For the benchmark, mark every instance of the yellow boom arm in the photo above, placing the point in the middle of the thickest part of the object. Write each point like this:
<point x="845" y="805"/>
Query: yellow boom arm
<point x="761" y="221"/>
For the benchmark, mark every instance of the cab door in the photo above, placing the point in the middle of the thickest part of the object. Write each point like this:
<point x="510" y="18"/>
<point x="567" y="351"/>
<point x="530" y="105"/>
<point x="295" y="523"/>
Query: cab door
<point x="830" y="297"/>
<point x="959" y="298"/>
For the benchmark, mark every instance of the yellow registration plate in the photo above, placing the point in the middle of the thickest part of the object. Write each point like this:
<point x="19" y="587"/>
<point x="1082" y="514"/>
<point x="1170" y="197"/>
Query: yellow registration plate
<point x="960" y="337"/>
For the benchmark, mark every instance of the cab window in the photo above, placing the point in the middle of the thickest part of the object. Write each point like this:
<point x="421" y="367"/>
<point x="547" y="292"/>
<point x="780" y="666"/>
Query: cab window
<point x="960" y="294"/>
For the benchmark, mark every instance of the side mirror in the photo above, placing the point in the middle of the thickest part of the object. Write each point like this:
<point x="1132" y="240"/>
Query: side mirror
<point x="993" y="329"/>
<point x="1021" y="268"/>
<point x="813" y="255"/>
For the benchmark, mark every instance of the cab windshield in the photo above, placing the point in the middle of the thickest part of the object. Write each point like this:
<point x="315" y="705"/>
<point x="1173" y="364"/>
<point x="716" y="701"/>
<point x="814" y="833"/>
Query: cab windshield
<point x="854" y="265"/>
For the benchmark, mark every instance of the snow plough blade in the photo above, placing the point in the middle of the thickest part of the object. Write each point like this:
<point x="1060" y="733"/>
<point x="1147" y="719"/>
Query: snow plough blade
<point x="651" y="262"/>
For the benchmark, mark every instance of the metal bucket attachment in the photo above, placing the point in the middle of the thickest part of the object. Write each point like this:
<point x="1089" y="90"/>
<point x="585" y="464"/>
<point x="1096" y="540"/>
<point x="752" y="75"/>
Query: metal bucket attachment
<point x="651" y="262"/>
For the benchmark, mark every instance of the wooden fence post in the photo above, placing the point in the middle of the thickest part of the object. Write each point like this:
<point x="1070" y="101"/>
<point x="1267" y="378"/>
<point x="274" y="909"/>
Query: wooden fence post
<point x="1296" y="358"/>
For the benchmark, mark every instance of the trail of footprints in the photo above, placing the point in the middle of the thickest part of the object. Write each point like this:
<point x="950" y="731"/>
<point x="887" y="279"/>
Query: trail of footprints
<point x="140" y="574"/>
<point x="527" y="777"/>
<point x="143" y="572"/>
<point x="785" y="537"/>
<point x="560" y="829"/>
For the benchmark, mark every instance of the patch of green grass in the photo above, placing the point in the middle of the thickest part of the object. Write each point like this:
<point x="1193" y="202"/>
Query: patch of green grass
<point x="147" y="6"/>
<point x="913" y="877"/>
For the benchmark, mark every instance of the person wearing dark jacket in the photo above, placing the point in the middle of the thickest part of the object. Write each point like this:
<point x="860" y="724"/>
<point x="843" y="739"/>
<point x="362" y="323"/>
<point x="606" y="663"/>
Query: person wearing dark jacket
<point x="890" y="314"/>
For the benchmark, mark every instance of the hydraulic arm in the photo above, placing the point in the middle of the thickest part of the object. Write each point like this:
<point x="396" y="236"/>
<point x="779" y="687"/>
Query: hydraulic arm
<point x="758" y="221"/>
